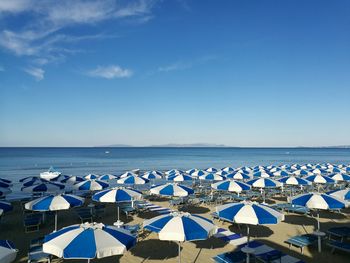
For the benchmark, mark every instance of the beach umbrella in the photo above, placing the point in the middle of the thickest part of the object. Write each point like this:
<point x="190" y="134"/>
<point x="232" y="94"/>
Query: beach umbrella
<point x="319" y="171"/>
<point x="60" y="178"/>
<point x="211" y="170"/>
<point x="28" y="178"/>
<point x="262" y="174"/>
<point x="211" y="177"/>
<point x="4" y="191"/>
<point x="4" y="185"/>
<point x="222" y="173"/>
<point x="55" y="203"/>
<point x="73" y="180"/>
<point x="88" y="241"/>
<point x="173" y="171"/>
<point x="227" y="169"/>
<point x="293" y="180"/>
<point x="152" y="175"/>
<point x="91" y="177"/>
<point x="180" y="227"/>
<point x="43" y="187"/>
<point x="132" y="179"/>
<point x="5" y="206"/>
<point x="318" y="202"/>
<point x="117" y="195"/>
<point x="171" y="189"/>
<point x="343" y="194"/>
<point x="231" y="186"/>
<point x="263" y="183"/>
<point x="249" y="213"/>
<point x="198" y="173"/>
<point x="238" y="176"/>
<point x="34" y="181"/>
<point x="107" y="177"/>
<point x="280" y="173"/>
<point x="302" y="172"/>
<point x="90" y="185"/>
<point x="6" y="181"/>
<point x="319" y="179"/>
<point x="179" y="178"/>
<point x="340" y="177"/>
<point x="8" y="251"/>
<point x="127" y="174"/>
<point x="334" y="170"/>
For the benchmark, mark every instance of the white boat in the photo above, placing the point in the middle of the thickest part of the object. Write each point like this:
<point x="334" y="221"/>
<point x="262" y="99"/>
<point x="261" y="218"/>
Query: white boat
<point x="50" y="174"/>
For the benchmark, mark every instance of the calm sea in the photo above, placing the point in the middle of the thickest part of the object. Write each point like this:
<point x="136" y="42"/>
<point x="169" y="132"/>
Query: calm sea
<point x="16" y="163"/>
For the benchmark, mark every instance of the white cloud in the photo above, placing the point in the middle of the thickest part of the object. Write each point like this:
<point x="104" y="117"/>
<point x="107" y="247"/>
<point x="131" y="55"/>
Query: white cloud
<point x="37" y="73"/>
<point x="110" y="72"/>
<point x="182" y="65"/>
<point x="14" y="6"/>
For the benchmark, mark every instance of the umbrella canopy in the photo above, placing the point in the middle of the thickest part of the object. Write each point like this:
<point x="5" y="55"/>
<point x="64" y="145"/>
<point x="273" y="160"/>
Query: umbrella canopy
<point x="227" y="169"/>
<point x="88" y="241"/>
<point x="211" y="170"/>
<point x="221" y="172"/>
<point x="5" y="206"/>
<point x="212" y="177"/>
<point x="318" y="201"/>
<point x="320" y="179"/>
<point x="262" y="174"/>
<point x="280" y="173"/>
<point x="90" y="185"/>
<point x="4" y="191"/>
<point x="8" y="252"/>
<point x="73" y="180"/>
<point x="33" y="180"/>
<point x="238" y="176"/>
<point x="231" y="186"/>
<point x="117" y="194"/>
<point x="43" y="187"/>
<point x="4" y="184"/>
<point x="91" y="176"/>
<point x="264" y="183"/>
<point x="197" y="173"/>
<point x="340" y="177"/>
<point x="152" y="175"/>
<point x="132" y="179"/>
<point x="343" y="194"/>
<point x="60" y="178"/>
<point x="5" y="181"/>
<point x="179" y="178"/>
<point x="171" y="189"/>
<point x="107" y="177"/>
<point x="173" y="171"/>
<point x="127" y="174"/>
<point x="302" y="172"/>
<point x="293" y="180"/>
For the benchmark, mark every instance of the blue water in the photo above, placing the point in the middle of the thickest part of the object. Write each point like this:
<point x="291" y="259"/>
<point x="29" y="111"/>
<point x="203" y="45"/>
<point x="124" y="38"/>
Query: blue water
<point x="16" y="163"/>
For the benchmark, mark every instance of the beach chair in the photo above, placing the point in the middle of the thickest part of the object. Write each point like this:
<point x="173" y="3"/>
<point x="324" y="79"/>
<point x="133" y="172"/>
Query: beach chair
<point x="36" y="242"/>
<point x="341" y="233"/>
<point x="134" y="229"/>
<point x="336" y="245"/>
<point x="231" y="257"/>
<point x="84" y="215"/>
<point x="230" y="237"/>
<point x="301" y="241"/>
<point x="290" y="208"/>
<point x="31" y="224"/>
<point x="127" y="210"/>
<point x="37" y="255"/>
<point x="99" y="210"/>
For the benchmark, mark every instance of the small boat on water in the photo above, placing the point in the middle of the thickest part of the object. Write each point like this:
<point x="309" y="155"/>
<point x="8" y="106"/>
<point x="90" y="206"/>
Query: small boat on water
<point x="50" y="174"/>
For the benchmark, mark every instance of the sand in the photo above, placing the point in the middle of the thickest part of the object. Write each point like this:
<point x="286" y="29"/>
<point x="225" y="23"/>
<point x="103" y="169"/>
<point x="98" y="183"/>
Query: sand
<point x="150" y="249"/>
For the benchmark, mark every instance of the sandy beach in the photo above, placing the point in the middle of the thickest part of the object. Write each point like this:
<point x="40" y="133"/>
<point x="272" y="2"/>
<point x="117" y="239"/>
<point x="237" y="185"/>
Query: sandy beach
<point x="150" y="249"/>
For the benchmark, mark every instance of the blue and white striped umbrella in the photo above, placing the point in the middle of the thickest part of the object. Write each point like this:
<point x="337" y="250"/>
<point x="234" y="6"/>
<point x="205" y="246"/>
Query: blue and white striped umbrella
<point x="302" y="172"/>
<point x="211" y="170"/>
<point x="4" y="185"/>
<point x="343" y="194"/>
<point x="152" y="175"/>
<point x="107" y="177"/>
<point x="262" y="174"/>
<point x="117" y="194"/>
<point x="4" y="191"/>
<point x="319" y="171"/>
<point x="320" y="179"/>
<point x="227" y="169"/>
<point x="8" y="251"/>
<point x="238" y="176"/>
<point x="212" y="177"/>
<point x="171" y="189"/>
<point x="231" y="186"/>
<point x="264" y="183"/>
<point x="222" y="173"/>
<point x="173" y="171"/>
<point x="280" y="173"/>
<point x="5" y="206"/>
<point x="90" y="185"/>
<point x="6" y="181"/>
<point x="334" y="170"/>
<point x="179" y="178"/>
<point x="55" y="203"/>
<point x="340" y="177"/>
<point x="91" y="176"/>
<point x="250" y="213"/>
<point x="33" y="181"/>
<point x="198" y="173"/>
<point x="293" y="180"/>
<point x="132" y="179"/>
<point x="43" y="187"/>
<point x="127" y="174"/>
<point x="73" y="180"/>
<point x="319" y="202"/>
<point x="88" y="241"/>
<point x="180" y="227"/>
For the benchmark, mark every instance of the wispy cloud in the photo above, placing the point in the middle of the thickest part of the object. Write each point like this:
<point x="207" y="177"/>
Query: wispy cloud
<point x="182" y="65"/>
<point x="110" y="72"/>
<point x="42" y="40"/>
<point x="37" y="73"/>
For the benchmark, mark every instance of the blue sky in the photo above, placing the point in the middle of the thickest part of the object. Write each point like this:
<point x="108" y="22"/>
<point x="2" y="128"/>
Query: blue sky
<point x="239" y="73"/>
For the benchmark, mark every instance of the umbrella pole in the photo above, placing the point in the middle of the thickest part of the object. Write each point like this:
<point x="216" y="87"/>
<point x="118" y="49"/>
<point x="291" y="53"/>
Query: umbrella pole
<point x="248" y="259"/>
<point x="56" y="221"/>
<point x="179" y="252"/>
<point x="118" y="212"/>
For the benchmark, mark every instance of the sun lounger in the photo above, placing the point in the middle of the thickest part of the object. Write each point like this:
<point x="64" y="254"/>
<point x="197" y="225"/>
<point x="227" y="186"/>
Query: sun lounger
<point x="230" y="237"/>
<point x="301" y="241"/>
<point x="339" y="232"/>
<point x="36" y="255"/>
<point x="84" y="215"/>
<point x="132" y="228"/>
<point x="156" y="208"/>
<point x="291" y="208"/>
<point x="336" y="245"/>
<point x="31" y="224"/>
<point x="36" y="242"/>
<point x="262" y="253"/>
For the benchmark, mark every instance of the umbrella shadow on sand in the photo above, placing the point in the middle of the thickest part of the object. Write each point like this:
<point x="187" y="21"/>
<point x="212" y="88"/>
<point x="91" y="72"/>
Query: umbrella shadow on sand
<point x="255" y="230"/>
<point x="210" y="243"/>
<point x="194" y="209"/>
<point x="155" y="249"/>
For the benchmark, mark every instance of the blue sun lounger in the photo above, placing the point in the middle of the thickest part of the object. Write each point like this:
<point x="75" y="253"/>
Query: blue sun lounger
<point x="336" y="245"/>
<point x="230" y="237"/>
<point x="342" y="232"/>
<point x="301" y="241"/>
<point x="290" y="208"/>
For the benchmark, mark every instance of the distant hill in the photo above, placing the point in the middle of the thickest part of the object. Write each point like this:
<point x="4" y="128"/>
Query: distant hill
<point x="169" y="145"/>
<point x="116" y="145"/>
